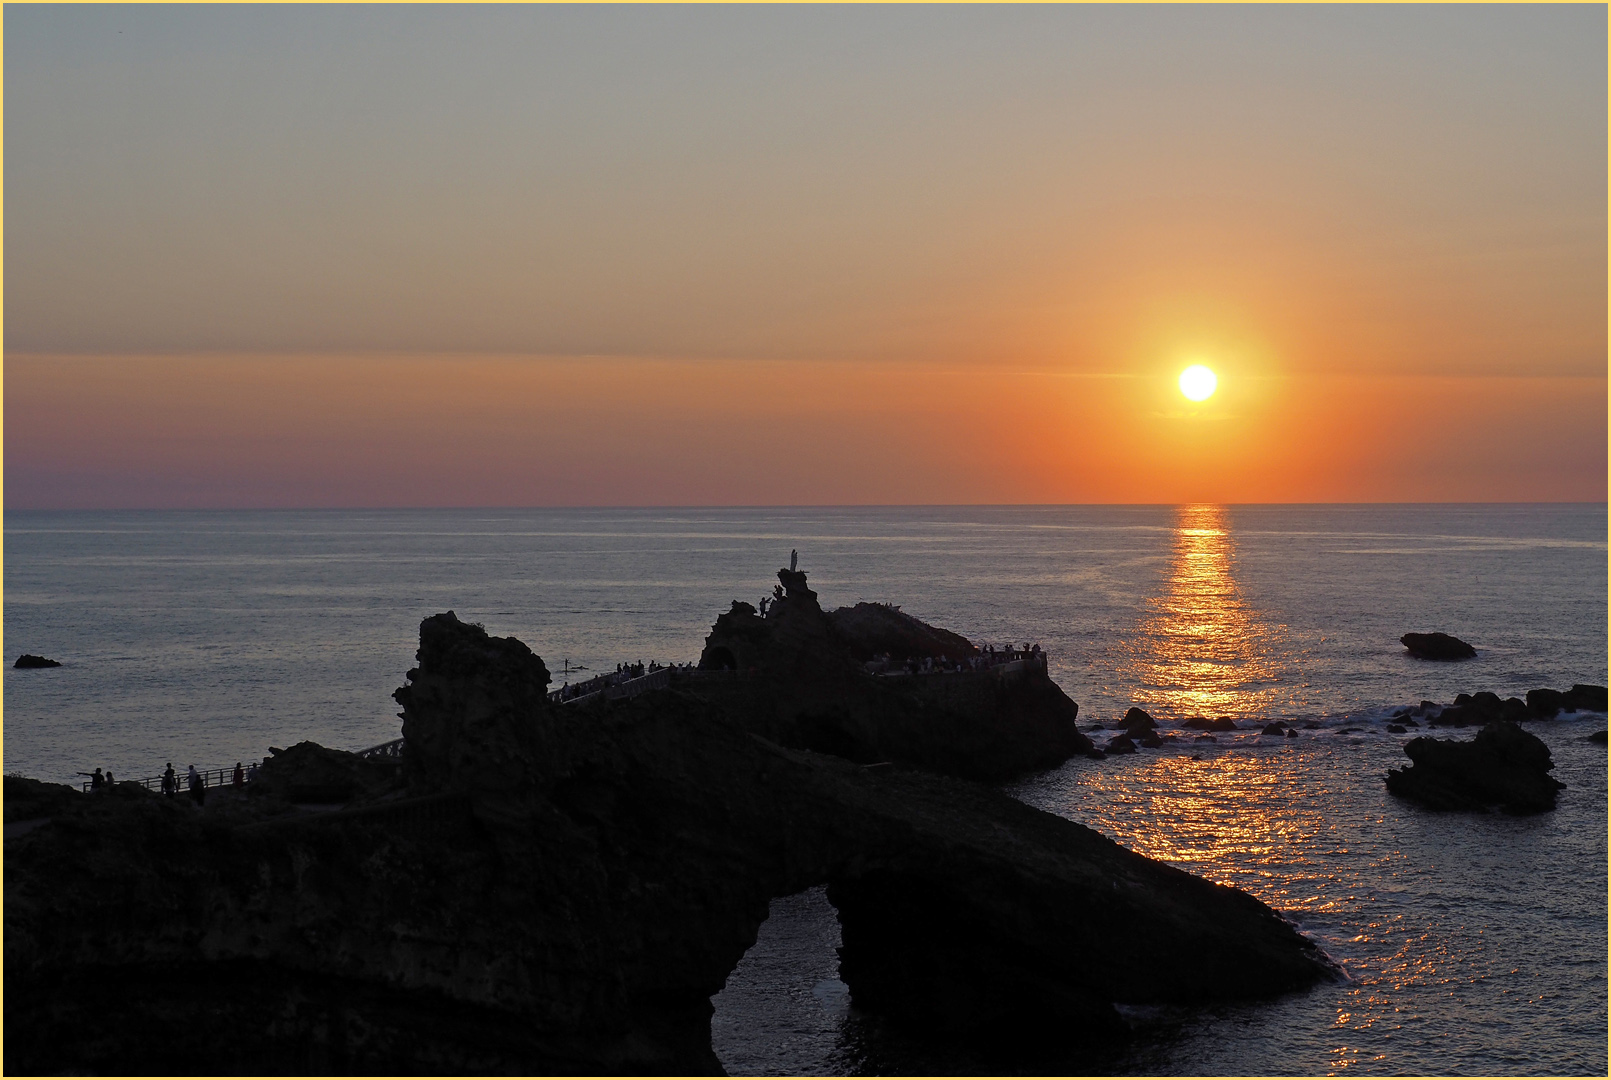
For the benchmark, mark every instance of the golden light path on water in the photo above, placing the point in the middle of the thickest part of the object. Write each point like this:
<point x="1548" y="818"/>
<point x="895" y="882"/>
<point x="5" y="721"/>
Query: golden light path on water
<point x="1201" y="651"/>
<point x="1259" y="812"/>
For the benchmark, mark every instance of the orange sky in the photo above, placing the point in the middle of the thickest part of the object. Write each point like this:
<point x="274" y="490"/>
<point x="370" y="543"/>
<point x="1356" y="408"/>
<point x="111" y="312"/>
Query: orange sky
<point x="541" y="256"/>
<point x="476" y="431"/>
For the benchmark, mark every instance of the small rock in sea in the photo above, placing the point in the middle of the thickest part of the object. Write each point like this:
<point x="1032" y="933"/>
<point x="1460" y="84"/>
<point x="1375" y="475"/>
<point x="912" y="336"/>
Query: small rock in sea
<point x="1475" y="710"/>
<point x="1348" y="730"/>
<point x="1151" y="740"/>
<point x="1426" y="705"/>
<point x="1206" y="738"/>
<point x="1597" y="737"/>
<point x="1584" y="698"/>
<point x="1397" y="729"/>
<point x="1292" y="733"/>
<point x="1311" y="725"/>
<point x="29" y="660"/>
<point x="1273" y="729"/>
<point x="1136" y="721"/>
<point x="1437" y="647"/>
<point x="1503" y="765"/>
<point x="1409" y="723"/>
<point x="1121" y="744"/>
<point x="1094" y="727"/>
<point x="1095" y="754"/>
<point x="1544" y="702"/>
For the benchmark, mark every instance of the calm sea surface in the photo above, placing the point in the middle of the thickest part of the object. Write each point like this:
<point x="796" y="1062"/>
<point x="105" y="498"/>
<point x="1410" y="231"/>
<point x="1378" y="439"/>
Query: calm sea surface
<point x="1472" y="944"/>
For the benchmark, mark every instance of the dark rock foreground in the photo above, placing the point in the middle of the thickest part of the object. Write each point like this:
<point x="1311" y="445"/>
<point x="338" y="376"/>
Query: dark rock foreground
<point x="547" y="889"/>
<point x="1503" y="766"/>
<point x="29" y="660"/>
<point x="1437" y="647"/>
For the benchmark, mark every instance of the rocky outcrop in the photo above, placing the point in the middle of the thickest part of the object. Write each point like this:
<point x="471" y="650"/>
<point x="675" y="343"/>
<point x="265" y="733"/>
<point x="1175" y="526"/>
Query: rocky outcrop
<point x="1469" y="710"/>
<point x="29" y="660"/>
<point x="1437" y="646"/>
<point x="799" y="680"/>
<point x="1581" y="698"/>
<point x="544" y="889"/>
<point x="1472" y="710"/>
<point x="878" y="629"/>
<point x="1504" y="766"/>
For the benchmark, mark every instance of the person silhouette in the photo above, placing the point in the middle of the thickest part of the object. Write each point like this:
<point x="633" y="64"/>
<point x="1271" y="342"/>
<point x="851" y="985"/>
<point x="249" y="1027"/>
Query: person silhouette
<point x="170" y="783"/>
<point x="794" y="560"/>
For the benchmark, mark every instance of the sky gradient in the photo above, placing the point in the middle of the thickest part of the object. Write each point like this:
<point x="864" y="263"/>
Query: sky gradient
<point x="358" y="256"/>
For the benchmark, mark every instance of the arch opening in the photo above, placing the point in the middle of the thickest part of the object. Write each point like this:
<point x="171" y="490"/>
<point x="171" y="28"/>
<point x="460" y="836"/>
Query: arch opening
<point x="784" y="1009"/>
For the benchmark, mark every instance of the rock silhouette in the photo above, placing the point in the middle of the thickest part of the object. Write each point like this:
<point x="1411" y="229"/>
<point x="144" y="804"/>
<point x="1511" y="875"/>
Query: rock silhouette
<point x="29" y="660"/>
<point x="1438" y="646"/>
<point x="1504" y="766"/>
<point x="1468" y="710"/>
<point x="800" y="680"/>
<point x="549" y="889"/>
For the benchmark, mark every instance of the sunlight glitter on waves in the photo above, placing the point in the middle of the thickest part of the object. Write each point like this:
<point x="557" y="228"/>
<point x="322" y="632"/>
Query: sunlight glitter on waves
<point x="1201" y="651"/>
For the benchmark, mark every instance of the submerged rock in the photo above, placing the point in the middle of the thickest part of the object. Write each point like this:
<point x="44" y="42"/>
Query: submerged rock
<point x="1504" y="766"/>
<point x="548" y="889"/>
<point x="1438" y="646"/>
<point x="1203" y="723"/>
<point x="29" y="660"/>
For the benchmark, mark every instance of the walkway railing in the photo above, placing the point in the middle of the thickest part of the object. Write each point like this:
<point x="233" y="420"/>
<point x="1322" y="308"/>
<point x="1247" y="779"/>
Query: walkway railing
<point x="209" y="778"/>
<point x="607" y="687"/>
<point x="393" y="749"/>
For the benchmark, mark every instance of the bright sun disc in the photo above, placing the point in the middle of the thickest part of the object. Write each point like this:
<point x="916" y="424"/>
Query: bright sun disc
<point x="1198" y="383"/>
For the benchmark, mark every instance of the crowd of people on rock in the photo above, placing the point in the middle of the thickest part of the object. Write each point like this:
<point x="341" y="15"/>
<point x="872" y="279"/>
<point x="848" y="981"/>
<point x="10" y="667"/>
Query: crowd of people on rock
<point x="987" y="657"/>
<point x="195" y="781"/>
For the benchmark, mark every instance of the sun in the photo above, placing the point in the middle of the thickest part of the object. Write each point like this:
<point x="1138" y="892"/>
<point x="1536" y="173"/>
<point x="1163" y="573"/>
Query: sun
<point x="1198" y="383"/>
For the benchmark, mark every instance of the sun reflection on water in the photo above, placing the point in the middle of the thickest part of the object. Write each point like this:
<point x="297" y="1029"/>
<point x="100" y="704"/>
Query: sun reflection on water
<point x="1201" y="650"/>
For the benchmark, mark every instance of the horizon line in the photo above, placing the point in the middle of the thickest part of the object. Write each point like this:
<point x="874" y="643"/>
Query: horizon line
<point x="769" y="506"/>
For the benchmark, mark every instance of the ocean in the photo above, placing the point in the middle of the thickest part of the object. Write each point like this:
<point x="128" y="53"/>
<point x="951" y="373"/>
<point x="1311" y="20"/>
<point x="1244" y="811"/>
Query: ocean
<point x="1469" y="944"/>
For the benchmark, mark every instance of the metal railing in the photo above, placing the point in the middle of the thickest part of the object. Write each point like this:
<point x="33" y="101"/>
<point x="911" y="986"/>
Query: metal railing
<point x="615" y="684"/>
<point x="210" y="778"/>
<point x="611" y="690"/>
<point x="385" y="750"/>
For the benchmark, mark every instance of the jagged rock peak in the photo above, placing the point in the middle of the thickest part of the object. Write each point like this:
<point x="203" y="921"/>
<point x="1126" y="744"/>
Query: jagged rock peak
<point x="470" y="708"/>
